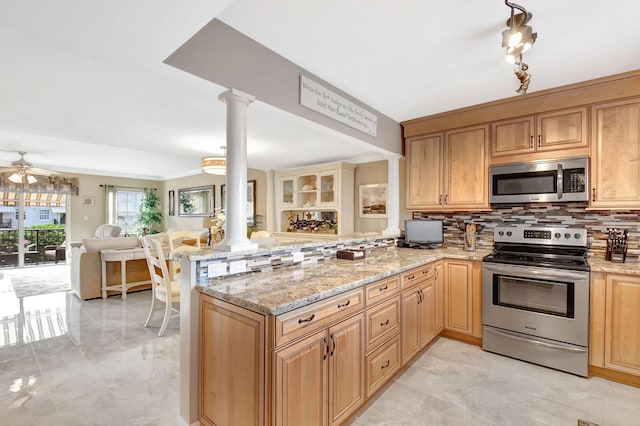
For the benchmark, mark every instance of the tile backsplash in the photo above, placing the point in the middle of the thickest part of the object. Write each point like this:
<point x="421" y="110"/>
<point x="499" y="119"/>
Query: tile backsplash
<point x="561" y="214"/>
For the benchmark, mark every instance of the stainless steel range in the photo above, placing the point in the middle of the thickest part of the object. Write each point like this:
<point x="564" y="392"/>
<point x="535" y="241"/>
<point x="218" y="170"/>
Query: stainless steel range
<point x="535" y="297"/>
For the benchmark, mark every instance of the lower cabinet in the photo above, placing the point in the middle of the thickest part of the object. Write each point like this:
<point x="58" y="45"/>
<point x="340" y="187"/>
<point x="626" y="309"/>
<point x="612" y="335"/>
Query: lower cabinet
<point x="232" y="368"/>
<point x="439" y="272"/>
<point x="615" y="325"/>
<point x="418" y="300"/>
<point x="320" y="380"/>
<point x="463" y="297"/>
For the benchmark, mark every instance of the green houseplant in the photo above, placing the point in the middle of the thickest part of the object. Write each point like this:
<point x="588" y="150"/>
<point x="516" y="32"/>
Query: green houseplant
<point x="149" y="214"/>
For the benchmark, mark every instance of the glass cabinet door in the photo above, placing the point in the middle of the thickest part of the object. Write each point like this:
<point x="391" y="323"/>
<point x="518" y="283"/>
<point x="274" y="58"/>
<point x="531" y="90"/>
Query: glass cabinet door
<point x="327" y="189"/>
<point x="287" y="192"/>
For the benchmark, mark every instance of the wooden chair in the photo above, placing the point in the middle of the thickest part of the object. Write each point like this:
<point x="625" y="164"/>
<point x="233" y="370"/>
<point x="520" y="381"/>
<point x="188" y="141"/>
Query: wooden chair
<point x="181" y="242"/>
<point x="163" y="287"/>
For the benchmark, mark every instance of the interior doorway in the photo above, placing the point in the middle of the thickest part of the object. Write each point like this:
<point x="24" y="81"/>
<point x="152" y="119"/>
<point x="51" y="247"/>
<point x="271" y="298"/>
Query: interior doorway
<point x="33" y="229"/>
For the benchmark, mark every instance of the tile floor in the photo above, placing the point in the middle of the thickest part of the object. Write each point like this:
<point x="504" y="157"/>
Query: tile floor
<point x="67" y="362"/>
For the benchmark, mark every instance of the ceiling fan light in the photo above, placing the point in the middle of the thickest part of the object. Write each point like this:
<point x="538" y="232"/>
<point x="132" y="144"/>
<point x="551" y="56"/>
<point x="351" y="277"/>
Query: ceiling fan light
<point x="15" y="178"/>
<point x="511" y="59"/>
<point x="31" y="179"/>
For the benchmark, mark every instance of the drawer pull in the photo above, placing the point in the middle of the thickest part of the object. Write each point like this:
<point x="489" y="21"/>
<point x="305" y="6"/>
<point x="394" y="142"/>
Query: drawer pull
<point x="385" y="366"/>
<point x="382" y="324"/>
<point x="426" y="271"/>
<point x="300" y="321"/>
<point x="386" y="286"/>
<point x="410" y="277"/>
<point x="344" y="305"/>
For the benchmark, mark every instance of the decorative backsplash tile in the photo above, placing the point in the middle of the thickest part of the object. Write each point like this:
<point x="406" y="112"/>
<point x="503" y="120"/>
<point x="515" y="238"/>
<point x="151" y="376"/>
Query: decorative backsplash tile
<point x="561" y="214"/>
<point x="268" y="260"/>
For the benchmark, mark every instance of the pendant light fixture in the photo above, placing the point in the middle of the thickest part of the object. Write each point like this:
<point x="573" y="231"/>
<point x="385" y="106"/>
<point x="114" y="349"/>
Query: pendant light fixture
<point x="215" y="165"/>
<point x="517" y="39"/>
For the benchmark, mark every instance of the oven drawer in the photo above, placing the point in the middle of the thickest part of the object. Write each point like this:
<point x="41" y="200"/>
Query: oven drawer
<point x="561" y="356"/>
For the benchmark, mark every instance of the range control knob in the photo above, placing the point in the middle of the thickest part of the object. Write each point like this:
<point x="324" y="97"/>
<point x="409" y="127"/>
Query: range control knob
<point x="508" y="233"/>
<point x="567" y="235"/>
<point x="501" y="233"/>
<point x="576" y="236"/>
<point x="557" y="235"/>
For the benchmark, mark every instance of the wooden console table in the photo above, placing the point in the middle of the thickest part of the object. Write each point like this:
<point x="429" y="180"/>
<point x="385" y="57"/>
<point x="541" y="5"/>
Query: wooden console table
<point x="122" y="256"/>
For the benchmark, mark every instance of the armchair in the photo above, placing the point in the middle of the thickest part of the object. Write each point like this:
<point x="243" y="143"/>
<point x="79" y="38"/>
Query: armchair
<point x="56" y="253"/>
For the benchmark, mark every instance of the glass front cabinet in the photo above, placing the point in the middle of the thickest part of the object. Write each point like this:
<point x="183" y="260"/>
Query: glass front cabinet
<point x="316" y="200"/>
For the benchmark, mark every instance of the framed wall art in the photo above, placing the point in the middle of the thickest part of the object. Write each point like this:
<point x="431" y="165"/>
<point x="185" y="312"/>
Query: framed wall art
<point x="372" y="201"/>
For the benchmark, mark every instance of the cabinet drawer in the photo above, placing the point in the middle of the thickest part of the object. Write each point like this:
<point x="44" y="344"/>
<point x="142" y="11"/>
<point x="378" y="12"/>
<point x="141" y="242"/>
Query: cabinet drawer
<point x="291" y="325"/>
<point x="383" y="321"/>
<point x="381" y="290"/>
<point x="418" y="275"/>
<point x="382" y="364"/>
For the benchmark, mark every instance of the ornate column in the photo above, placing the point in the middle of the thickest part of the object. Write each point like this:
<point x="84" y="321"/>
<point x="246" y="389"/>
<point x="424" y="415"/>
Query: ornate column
<point x="235" y="235"/>
<point x="393" y="193"/>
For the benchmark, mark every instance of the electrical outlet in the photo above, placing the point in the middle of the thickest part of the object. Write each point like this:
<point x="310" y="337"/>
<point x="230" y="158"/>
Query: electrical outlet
<point x="238" y="266"/>
<point x="298" y="256"/>
<point x="216" y="270"/>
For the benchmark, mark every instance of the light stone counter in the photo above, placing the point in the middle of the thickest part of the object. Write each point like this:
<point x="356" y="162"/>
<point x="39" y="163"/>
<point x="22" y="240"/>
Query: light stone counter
<point x="598" y="264"/>
<point x="289" y="288"/>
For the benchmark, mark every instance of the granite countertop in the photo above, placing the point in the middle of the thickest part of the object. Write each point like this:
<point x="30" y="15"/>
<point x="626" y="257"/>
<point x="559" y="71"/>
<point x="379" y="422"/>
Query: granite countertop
<point x="289" y="288"/>
<point x="598" y="264"/>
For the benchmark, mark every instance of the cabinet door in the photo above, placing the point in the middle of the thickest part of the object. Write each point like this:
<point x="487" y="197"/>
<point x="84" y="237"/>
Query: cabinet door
<point x="231" y="365"/>
<point x="615" y="151"/>
<point x="439" y="283"/>
<point x="327" y="189"/>
<point x="301" y="382"/>
<point x="427" y="312"/>
<point x="514" y="136"/>
<point x="424" y="172"/>
<point x="622" y="323"/>
<point x="466" y="168"/>
<point x="287" y="193"/>
<point x="346" y="368"/>
<point x="410" y="324"/>
<point x="561" y="130"/>
<point x="458" y="307"/>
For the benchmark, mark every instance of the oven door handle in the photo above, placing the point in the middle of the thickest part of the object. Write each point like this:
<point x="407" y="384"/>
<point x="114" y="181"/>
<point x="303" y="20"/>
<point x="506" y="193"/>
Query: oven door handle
<point x="537" y="274"/>
<point x="559" y="182"/>
<point x="535" y="342"/>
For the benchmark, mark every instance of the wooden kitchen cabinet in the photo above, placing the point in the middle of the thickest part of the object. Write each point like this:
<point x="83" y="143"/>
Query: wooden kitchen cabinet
<point x="232" y="370"/>
<point x="439" y="288"/>
<point x="418" y="301"/>
<point x="614" y="329"/>
<point x="448" y="171"/>
<point x="320" y="380"/>
<point x="551" y="131"/>
<point x="622" y="324"/>
<point x="463" y="298"/>
<point x="615" y="151"/>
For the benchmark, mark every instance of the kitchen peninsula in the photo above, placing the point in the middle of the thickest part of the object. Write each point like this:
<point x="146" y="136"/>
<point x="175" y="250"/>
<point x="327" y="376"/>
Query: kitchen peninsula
<point x="330" y="325"/>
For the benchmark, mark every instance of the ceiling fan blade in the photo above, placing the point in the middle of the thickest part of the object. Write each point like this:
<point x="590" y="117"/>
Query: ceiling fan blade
<point x="40" y="172"/>
<point x="8" y="169"/>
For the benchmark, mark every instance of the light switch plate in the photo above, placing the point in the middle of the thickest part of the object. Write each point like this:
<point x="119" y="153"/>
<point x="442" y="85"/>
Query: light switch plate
<point x="298" y="256"/>
<point x="216" y="270"/>
<point x="237" y="266"/>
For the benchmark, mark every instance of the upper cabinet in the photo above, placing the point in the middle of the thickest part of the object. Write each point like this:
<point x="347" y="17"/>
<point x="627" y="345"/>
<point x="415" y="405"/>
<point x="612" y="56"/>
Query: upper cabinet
<point x="615" y="155"/>
<point x="564" y="130"/>
<point x="448" y="171"/>
<point x="316" y="199"/>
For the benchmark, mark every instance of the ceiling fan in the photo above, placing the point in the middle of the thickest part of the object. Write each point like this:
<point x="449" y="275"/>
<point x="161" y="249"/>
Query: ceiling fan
<point x="23" y="171"/>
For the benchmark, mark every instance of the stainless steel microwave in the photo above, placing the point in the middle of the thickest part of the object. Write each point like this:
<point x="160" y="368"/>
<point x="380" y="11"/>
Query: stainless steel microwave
<point x="540" y="181"/>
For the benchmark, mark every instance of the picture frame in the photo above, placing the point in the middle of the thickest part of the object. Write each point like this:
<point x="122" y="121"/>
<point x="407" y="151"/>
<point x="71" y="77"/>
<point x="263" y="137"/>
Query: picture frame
<point x="196" y="201"/>
<point x="172" y="203"/>
<point x="372" y="201"/>
<point x="251" y="200"/>
<point x="88" y="201"/>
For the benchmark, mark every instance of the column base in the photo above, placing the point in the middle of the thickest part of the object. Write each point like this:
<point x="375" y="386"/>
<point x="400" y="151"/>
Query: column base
<point x="242" y="246"/>
<point x="391" y="232"/>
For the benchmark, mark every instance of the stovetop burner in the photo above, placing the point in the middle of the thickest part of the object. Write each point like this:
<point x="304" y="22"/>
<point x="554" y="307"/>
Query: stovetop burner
<point x="560" y="248"/>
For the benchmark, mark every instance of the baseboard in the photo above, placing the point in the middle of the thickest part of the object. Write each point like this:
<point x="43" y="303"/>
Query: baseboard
<point x="616" y="376"/>
<point x="461" y="337"/>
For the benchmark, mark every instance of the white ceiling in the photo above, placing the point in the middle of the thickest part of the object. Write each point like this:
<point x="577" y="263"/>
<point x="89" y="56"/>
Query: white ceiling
<point x="84" y="88"/>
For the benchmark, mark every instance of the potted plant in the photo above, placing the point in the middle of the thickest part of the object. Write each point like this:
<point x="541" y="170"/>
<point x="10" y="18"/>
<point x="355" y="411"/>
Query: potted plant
<point x="149" y="214"/>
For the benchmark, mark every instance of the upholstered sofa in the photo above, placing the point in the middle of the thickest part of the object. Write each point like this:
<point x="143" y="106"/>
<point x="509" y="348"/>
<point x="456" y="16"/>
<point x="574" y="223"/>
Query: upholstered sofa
<point x="86" y="266"/>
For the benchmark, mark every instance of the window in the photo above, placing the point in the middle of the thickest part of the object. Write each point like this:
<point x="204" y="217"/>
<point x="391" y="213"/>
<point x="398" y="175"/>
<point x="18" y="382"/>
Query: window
<point x="124" y="211"/>
<point x="44" y="214"/>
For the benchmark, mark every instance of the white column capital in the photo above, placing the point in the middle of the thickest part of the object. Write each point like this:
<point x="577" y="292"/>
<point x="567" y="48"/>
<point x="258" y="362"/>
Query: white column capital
<point x="236" y="95"/>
